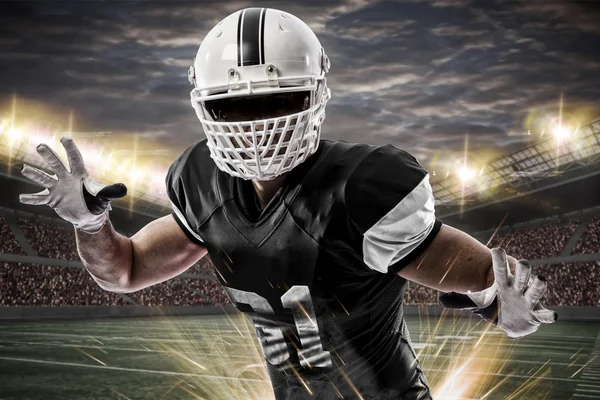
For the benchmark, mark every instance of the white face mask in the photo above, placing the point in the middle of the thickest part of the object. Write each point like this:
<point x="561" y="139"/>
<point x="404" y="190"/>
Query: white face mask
<point x="263" y="149"/>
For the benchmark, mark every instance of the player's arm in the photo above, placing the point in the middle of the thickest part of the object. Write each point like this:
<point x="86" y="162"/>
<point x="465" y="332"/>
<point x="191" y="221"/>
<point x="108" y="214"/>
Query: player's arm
<point x="156" y="253"/>
<point x="391" y="204"/>
<point x="509" y="301"/>
<point x="453" y="261"/>
<point x="478" y="279"/>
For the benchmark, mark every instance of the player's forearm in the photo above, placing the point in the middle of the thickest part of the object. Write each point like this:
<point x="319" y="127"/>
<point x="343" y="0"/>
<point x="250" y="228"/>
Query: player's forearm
<point x="453" y="262"/>
<point x="107" y="256"/>
<point x="469" y="263"/>
<point x="472" y="263"/>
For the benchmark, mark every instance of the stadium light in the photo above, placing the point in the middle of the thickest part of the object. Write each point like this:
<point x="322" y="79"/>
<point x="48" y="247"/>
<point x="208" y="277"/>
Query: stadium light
<point x="18" y="141"/>
<point x="136" y="175"/>
<point x="13" y="134"/>
<point x="561" y="132"/>
<point x="466" y="174"/>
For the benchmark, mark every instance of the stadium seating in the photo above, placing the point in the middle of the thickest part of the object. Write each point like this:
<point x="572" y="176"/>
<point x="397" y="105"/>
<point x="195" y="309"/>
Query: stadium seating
<point x="50" y="241"/>
<point x="535" y="243"/>
<point x="8" y="242"/>
<point x="418" y="294"/>
<point x="181" y="292"/>
<point x="572" y="284"/>
<point x="589" y="242"/>
<point x="202" y="267"/>
<point x="37" y="285"/>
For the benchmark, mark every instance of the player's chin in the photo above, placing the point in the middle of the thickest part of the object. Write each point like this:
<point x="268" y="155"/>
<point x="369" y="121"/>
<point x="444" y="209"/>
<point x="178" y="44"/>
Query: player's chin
<point x="273" y="151"/>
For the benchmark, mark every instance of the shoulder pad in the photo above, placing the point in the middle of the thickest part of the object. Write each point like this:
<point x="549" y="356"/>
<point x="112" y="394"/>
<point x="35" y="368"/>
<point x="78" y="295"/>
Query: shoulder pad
<point x="190" y="183"/>
<point x="384" y="176"/>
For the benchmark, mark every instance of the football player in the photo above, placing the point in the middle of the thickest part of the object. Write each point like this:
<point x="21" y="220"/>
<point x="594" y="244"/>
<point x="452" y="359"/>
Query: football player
<point x="315" y="239"/>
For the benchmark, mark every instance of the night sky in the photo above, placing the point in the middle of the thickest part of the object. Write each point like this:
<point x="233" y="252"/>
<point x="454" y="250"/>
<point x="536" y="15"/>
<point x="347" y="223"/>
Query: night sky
<point x="418" y="74"/>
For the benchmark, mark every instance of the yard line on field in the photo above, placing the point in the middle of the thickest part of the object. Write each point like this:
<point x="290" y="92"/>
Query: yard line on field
<point x="252" y="336"/>
<point x="580" y="389"/>
<point x="146" y="350"/>
<point x="191" y="332"/>
<point x="148" y="371"/>
<point x="124" y="349"/>
<point x="103" y="337"/>
<point x="29" y="360"/>
<point x="586" y="373"/>
<point x="123" y="329"/>
<point x="540" y="336"/>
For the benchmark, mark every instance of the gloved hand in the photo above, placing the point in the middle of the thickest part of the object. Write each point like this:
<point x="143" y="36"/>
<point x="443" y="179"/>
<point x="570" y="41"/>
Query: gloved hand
<point x="511" y="303"/>
<point x="74" y="195"/>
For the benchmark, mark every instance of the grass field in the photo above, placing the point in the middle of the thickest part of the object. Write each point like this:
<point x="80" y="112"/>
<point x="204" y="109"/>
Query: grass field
<point x="217" y="358"/>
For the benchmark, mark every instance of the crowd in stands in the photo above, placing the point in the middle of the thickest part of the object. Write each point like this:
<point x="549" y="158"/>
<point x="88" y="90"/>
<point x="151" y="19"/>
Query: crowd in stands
<point x="571" y="284"/>
<point x="211" y="290"/>
<point x="50" y="240"/>
<point x="535" y="243"/>
<point x="38" y="285"/>
<point x="589" y="242"/>
<point x="202" y="267"/>
<point x="8" y="242"/>
<point x="418" y="294"/>
<point x="574" y="284"/>
<point x="181" y="292"/>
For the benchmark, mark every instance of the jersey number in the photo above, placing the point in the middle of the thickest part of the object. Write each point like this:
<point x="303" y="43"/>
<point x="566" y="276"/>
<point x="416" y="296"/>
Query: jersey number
<point x="298" y="299"/>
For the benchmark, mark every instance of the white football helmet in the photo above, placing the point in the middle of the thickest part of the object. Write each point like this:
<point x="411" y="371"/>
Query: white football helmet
<point x="243" y="71"/>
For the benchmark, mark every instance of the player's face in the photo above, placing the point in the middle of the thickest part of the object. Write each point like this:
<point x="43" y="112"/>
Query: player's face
<point x="260" y="107"/>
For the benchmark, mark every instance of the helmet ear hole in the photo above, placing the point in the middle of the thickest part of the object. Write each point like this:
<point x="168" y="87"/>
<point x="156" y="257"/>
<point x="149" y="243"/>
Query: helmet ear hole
<point x="325" y="63"/>
<point x="192" y="76"/>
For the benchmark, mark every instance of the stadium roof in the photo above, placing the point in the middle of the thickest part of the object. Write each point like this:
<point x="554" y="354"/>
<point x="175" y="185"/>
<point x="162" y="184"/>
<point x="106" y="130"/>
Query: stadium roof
<point x="504" y="177"/>
<point x="521" y="168"/>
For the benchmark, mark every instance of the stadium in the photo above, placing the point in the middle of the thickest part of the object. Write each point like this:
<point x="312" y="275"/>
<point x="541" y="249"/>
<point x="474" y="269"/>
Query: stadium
<point x="183" y="339"/>
<point x="487" y="109"/>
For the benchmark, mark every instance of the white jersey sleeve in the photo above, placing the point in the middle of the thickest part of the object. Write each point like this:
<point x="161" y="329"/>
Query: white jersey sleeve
<point x="391" y="203"/>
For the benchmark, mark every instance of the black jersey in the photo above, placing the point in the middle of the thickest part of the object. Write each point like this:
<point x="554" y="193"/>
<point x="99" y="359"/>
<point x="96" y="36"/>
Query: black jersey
<point x="317" y="268"/>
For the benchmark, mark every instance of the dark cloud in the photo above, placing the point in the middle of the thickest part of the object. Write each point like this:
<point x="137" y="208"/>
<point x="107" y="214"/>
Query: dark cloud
<point x="418" y="74"/>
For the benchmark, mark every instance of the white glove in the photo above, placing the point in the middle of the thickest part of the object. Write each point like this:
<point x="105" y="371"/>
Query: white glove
<point x="74" y="195"/>
<point x="511" y="303"/>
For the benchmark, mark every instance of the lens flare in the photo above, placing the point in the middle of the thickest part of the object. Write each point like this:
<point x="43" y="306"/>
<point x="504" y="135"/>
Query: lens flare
<point x="561" y="132"/>
<point x="466" y="174"/>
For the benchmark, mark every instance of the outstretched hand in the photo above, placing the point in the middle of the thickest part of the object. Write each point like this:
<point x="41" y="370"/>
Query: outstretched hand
<point x="511" y="303"/>
<point x="72" y="193"/>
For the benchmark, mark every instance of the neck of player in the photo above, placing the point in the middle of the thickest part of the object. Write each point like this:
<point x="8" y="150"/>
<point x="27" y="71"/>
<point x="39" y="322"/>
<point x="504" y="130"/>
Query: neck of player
<point x="265" y="190"/>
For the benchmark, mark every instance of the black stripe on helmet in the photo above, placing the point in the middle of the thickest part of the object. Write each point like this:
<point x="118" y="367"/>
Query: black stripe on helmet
<point x="263" y="16"/>
<point x="239" y="38"/>
<point x="249" y="37"/>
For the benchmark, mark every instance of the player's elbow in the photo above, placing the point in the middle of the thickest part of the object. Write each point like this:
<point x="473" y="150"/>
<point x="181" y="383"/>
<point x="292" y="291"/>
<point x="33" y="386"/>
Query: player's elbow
<point x="122" y="286"/>
<point x="118" y="284"/>
<point x="110" y="277"/>
<point x="125" y="282"/>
